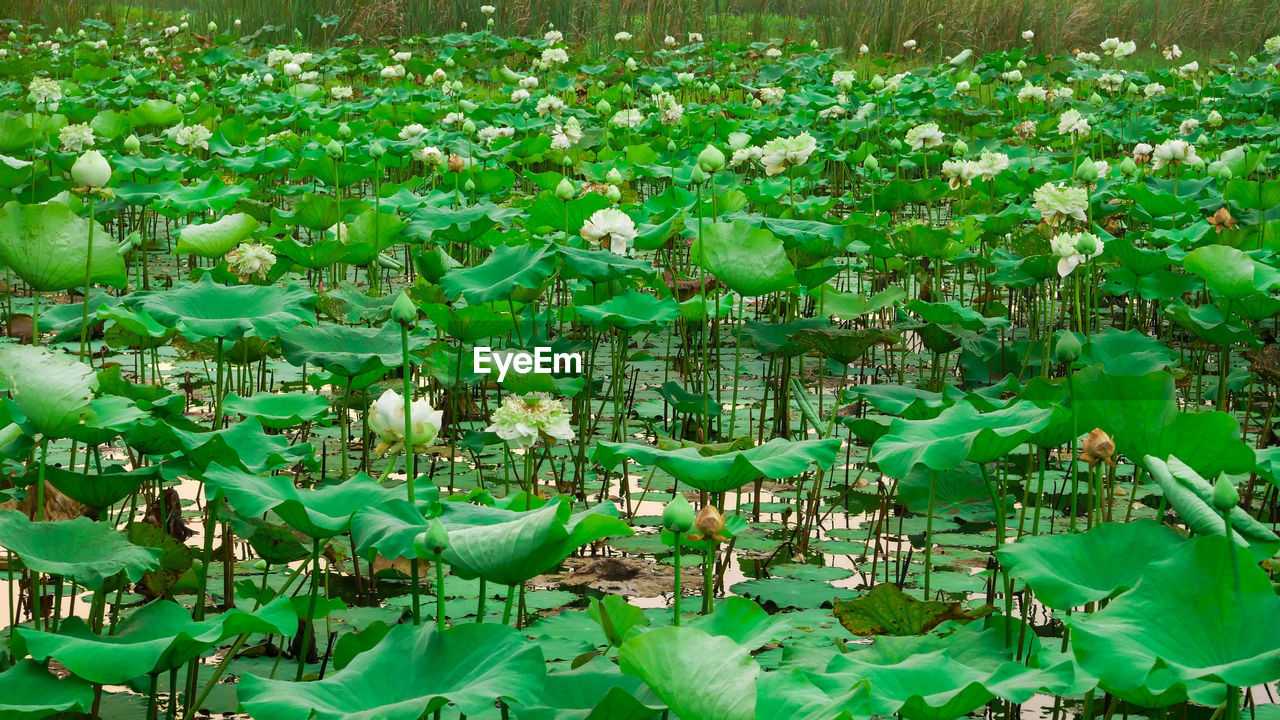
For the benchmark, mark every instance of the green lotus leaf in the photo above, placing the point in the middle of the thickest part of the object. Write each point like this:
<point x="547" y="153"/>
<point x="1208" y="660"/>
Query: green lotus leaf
<point x="1066" y="571"/>
<point x="1142" y="416"/>
<point x="85" y="551"/>
<point x="699" y="676"/>
<point x="1210" y="324"/>
<point x="1226" y="270"/>
<point x="52" y="390"/>
<point x="501" y="275"/>
<point x="743" y="621"/>
<point x="633" y="310"/>
<point x="1127" y="352"/>
<point x="370" y="233"/>
<point x="776" y="459"/>
<point x="159" y="636"/>
<point x="278" y="410"/>
<point x="215" y="239"/>
<point x="959" y="493"/>
<point x="601" y="265"/>
<point x="958" y="433"/>
<point x="849" y="306"/>
<point x="751" y="261"/>
<point x="1207" y="604"/>
<point x="209" y="195"/>
<point x="596" y="690"/>
<point x="28" y="691"/>
<point x="99" y="489"/>
<point x="1192" y="497"/>
<point x="244" y="442"/>
<point x="156" y="112"/>
<point x="319" y="513"/>
<point x="47" y="245"/>
<point x="111" y="415"/>
<point x="844" y="346"/>
<point x="348" y="350"/>
<point x="206" y="309"/>
<point x="410" y="673"/>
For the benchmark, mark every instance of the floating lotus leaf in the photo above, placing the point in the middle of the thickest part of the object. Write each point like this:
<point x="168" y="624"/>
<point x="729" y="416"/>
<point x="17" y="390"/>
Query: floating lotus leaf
<point x="206" y="309"/>
<point x="411" y="672"/>
<point x="47" y="245"/>
<point x="82" y="550"/>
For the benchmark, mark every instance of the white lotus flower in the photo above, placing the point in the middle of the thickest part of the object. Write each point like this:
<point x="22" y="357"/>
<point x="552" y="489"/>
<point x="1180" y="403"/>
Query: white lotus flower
<point x="1072" y="122"/>
<point x="611" y="226"/>
<point x="553" y="36"/>
<point x="1074" y="249"/>
<point x="773" y="53"/>
<point x="391" y="72"/>
<point x="628" y="118"/>
<point x="550" y="105"/>
<point x="622" y="36"/>
<point x="402" y="56"/>
<point x="292" y="68"/>
<point x="1188" y="126"/>
<point x="991" y="164"/>
<point x="1173" y="52"/>
<point x="429" y="154"/>
<point x="193" y="136"/>
<point x="91" y="170"/>
<point x="1028" y="35"/>
<point x="1030" y="93"/>
<point x="784" y="152"/>
<point x="1173" y="152"/>
<point x="925" y="135"/>
<point x="76" y="137"/>
<point x="249" y="260"/>
<point x="1059" y="202"/>
<point x="1012" y="76"/>
<point x="523" y="419"/>
<point x="488" y="9"/>
<point x="555" y="56"/>
<point x="519" y="95"/>
<point x="386" y="419"/>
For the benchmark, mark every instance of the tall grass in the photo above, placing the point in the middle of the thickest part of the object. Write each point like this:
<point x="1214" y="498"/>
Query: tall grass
<point x="939" y="26"/>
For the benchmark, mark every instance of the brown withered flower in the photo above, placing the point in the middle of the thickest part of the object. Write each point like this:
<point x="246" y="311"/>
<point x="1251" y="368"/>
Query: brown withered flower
<point x="1222" y="220"/>
<point x="707" y="525"/>
<point x="457" y="163"/>
<point x="1098" y="447"/>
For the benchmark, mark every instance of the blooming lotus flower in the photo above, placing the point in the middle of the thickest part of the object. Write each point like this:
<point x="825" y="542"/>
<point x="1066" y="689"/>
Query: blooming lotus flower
<point x="1030" y="93"/>
<point x="553" y="36"/>
<point x="567" y="135"/>
<point x="525" y="419"/>
<point x="960" y="173"/>
<point x="1173" y="152"/>
<point x="1073" y="249"/>
<point x="386" y="420"/>
<point x="748" y="154"/>
<point x="1172" y="52"/>
<point x="772" y="95"/>
<point x="773" y="53"/>
<point x="909" y="44"/>
<point x="488" y="9"/>
<point x="1153" y="89"/>
<point x="1012" y="76"/>
<point x="622" y="36"/>
<point x="1188" y="126"/>
<point x="1272" y="44"/>
<point x="925" y="135"/>
<point x="91" y="170"/>
<point x="391" y="72"/>
<point x="429" y="155"/>
<point x="1058" y="202"/>
<point x="402" y="56"/>
<point x="1073" y="123"/>
<point x="1125" y="49"/>
<point x="611" y="226"/>
<point x="193" y="136"/>
<point x="550" y="105"/>
<point x="991" y="164"/>
<point x="292" y="68"/>
<point x="1028" y="35"/>
<point x="555" y="56"/>
<point x="44" y="92"/>
<point x="781" y="153"/>
<point x="695" y="37"/>
<point x="628" y="118"/>
<point x="250" y="260"/>
<point x="76" y="137"/>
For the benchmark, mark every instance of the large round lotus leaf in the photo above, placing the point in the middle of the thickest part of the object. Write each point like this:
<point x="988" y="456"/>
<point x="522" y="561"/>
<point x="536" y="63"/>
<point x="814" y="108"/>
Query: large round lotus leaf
<point x="47" y="245"/>
<point x="957" y="434"/>
<point x="244" y="442"/>
<point x="408" y="674"/>
<point x="278" y="410"/>
<point x="1186" y="621"/>
<point x="699" y="676"/>
<point x="751" y="261"/>
<point x="81" y="549"/>
<point x="633" y="310"/>
<point x="776" y="459"/>
<point x="348" y="350"/>
<point x="54" y="391"/>
<point x="28" y="691"/>
<point x="1127" y="352"/>
<point x="215" y="239"/>
<point x="596" y="690"/>
<point x="320" y="513"/>
<point x="1226" y="270"/>
<point x="159" y="636"/>
<point x="1070" y="570"/>
<point x="601" y="265"/>
<point x="501" y="275"/>
<point x="99" y="489"/>
<point x="207" y="309"/>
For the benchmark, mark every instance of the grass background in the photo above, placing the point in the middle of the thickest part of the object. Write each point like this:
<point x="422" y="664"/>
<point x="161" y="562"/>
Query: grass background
<point x="939" y="26"/>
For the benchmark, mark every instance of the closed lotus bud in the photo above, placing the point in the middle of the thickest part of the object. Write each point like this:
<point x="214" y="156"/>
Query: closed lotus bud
<point x="709" y="522"/>
<point x="404" y="311"/>
<point x="631" y="64"/>
<point x="1096" y="100"/>
<point x="130" y="80"/>
<point x="697" y="177"/>
<point x="626" y="89"/>
<point x="344" y="130"/>
<point x="877" y="83"/>
<point x="895" y="144"/>
<point x="468" y="127"/>
<point x="432" y="542"/>
<point x="613" y="193"/>
<point x="959" y="148"/>
<point x="377" y="149"/>
<point x="566" y="161"/>
<point x="711" y="159"/>
<point x="1087" y="171"/>
<point x="1098" y="447"/>
<point x="1068" y="347"/>
<point x="333" y="149"/>
<point x="1128" y="166"/>
<point x="671" y="146"/>
<point x="565" y="190"/>
<point x="714" y="88"/>
<point x="613" y="176"/>
<point x="1225" y="495"/>
<point x="469" y="185"/>
<point x="91" y="170"/>
<point x="677" y="516"/>
<point x="871" y="163"/>
<point x="132" y="144"/>
<point x="603" y="107"/>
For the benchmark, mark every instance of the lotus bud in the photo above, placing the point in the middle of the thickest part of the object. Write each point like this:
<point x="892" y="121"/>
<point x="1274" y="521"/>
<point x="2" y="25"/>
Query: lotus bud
<point x="194" y="98"/>
<point x="697" y="177"/>
<point x="565" y="190"/>
<point x="603" y="107"/>
<point x="1214" y="119"/>
<point x="1225" y="495"/>
<point x="377" y="149"/>
<point x="566" y="161"/>
<point x="455" y="163"/>
<point x="1222" y="172"/>
<point x="449" y="62"/>
<point x="344" y="130"/>
<point x="468" y="127"/>
<point x="631" y="64"/>
<point x="333" y="149"/>
<point x="91" y="170"/>
<point x="132" y="144"/>
<point x="877" y="83"/>
<point x="130" y="80"/>
<point x="871" y="163"/>
<point x="1087" y="244"/>
<point x="711" y="159"/>
<point x="895" y="144"/>
<point x="708" y="522"/>
<point x="268" y="78"/>
<point x="212" y="26"/>
<point x="677" y="516"/>
<point x="714" y="88"/>
<point x="959" y="148"/>
<point x="404" y="311"/>
<point x="1087" y="171"/>
<point x="432" y="542"/>
<point x="1128" y="166"/>
<point x="626" y="89"/>
<point x="469" y="185"/>
<point x="1096" y="100"/>
<point x="613" y="193"/>
<point x="671" y="146"/>
<point x="1022" y="65"/>
<point x="1068" y="347"/>
<point x="756" y="104"/>
<point x="1098" y="447"/>
<point x="181" y="99"/>
<point x="613" y="177"/>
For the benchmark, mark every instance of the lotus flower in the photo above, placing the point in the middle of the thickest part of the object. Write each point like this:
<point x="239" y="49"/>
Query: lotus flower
<point x="91" y="170"/>
<point x="524" y="419"/>
<point x="611" y="226"/>
<point x="386" y="420"/>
